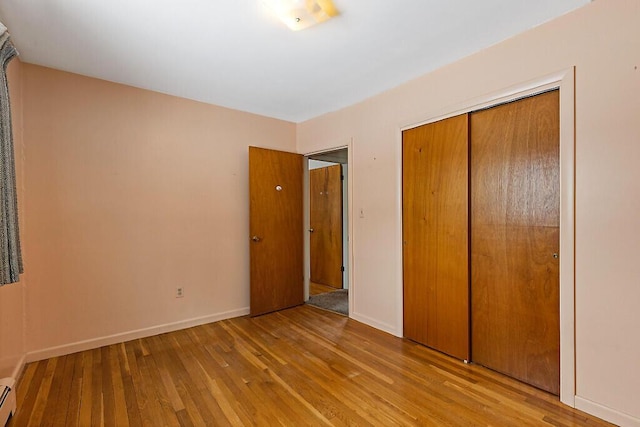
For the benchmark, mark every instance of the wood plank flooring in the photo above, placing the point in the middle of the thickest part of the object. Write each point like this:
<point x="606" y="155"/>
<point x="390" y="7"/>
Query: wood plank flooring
<point x="298" y="367"/>
<point x="319" y="288"/>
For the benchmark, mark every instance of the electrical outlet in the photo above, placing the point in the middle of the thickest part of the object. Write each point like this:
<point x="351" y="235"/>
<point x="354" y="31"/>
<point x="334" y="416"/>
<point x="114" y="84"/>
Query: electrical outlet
<point x="179" y="292"/>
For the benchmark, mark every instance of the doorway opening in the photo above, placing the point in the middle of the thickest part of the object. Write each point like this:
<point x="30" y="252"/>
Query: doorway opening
<point x="327" y="235"/>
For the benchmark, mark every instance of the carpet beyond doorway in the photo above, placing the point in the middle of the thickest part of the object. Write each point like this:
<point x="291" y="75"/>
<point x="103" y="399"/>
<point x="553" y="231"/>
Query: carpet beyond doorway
<point x="337" y="301"/>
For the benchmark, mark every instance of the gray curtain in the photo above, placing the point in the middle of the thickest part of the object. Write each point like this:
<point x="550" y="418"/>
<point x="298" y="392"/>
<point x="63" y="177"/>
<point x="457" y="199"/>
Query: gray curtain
<point x="10" y="253"/>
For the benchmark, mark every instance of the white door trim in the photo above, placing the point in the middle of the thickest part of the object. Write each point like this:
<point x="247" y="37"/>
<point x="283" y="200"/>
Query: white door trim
<point x="349" y="212"/>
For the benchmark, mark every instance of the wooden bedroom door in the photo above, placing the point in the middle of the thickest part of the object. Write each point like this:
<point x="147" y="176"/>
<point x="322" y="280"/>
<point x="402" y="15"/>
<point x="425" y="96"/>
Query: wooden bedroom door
<point x="276" y="239"/>
<point x="435" y="235"/>
<point x="515" y="220"/>
<point x="325" y="202"/>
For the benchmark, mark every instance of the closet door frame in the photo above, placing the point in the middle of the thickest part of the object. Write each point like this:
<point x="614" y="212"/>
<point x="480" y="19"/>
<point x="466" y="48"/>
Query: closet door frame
<point x="563" y="80"/>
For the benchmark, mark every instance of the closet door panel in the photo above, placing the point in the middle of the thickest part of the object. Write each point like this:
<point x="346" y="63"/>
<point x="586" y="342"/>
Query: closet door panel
<point x="515" y="218"/>
<point x="325" y="241"/>
<point x="435" y="235"/>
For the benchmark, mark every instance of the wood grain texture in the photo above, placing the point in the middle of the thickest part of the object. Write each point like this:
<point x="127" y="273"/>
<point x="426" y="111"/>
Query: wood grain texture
<point x="318" y="288"/>
<point x="435" y="235"/>
<point x="301" y="366"/>
<point x="514" y="234"/>
<point x="276" y="220"/>
<point x="325" y="200"/>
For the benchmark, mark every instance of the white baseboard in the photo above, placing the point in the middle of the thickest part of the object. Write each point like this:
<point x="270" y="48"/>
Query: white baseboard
<point x="374" y="323"/>
<point x="90" y="344"/>
<point x="607" y="414"/>
<point x="17" y="371"/>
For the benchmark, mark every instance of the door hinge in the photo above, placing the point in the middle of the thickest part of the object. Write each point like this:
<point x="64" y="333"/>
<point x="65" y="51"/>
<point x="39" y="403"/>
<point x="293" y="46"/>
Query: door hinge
<point x="342" y="177"/>
<point x="342" y="268"/>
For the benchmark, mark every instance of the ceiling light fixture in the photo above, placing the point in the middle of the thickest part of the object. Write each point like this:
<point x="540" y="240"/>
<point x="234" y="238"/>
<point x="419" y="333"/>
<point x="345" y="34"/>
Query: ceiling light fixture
<point x="301" y="14"/>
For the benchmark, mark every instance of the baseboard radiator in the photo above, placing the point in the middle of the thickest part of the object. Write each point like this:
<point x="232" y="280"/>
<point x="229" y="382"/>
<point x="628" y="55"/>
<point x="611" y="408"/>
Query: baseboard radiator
<point x="7" y="400"/>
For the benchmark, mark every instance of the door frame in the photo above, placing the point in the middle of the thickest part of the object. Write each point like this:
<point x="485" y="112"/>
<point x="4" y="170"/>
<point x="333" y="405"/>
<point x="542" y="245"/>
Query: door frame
<point x="563" y="80"/>
<point x="306" y="210"/>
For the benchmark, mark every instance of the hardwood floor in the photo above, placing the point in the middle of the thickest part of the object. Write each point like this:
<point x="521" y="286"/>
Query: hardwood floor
<point x="301" y="366"/>
<point x="319" y="288"/>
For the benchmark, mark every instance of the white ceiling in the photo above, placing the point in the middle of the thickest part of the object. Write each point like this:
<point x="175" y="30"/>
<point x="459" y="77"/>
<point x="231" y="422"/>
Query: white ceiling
<point x="235" y="54"/>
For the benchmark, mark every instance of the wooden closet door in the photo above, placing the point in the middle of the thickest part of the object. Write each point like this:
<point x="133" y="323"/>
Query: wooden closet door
<point x="435" y="235"/>
<point x="325" y="203"/>
<point x="515" y="219"/>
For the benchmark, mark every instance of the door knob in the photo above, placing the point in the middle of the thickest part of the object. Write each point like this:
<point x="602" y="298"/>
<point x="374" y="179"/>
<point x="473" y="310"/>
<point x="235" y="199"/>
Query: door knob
<point x="555" y="255"/>
<point x="256" y="238"/>
<point x="311" y="230"/>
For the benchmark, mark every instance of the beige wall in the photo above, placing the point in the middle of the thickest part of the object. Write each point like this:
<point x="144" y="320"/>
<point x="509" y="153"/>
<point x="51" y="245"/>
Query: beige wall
<point x="130" y="194"/>
<point x="12" y="345"/>
<point x="602" y="41"/>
